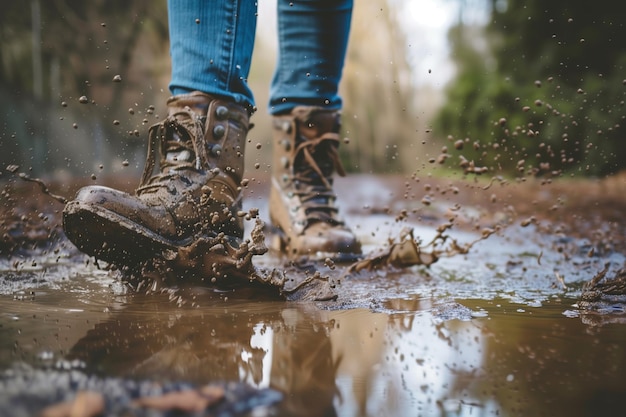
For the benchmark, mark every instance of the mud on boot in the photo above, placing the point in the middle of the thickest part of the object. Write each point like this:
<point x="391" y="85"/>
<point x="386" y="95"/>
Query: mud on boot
<point x="302" y="199"/>
<point x="194" y="193"/>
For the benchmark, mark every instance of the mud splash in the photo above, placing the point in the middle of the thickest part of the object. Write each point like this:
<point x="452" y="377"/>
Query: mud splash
<point x="215" y="261"/>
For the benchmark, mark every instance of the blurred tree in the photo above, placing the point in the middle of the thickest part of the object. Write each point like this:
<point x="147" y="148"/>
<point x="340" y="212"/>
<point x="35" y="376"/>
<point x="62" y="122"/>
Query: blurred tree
<point x="378" y="90"/>
<point x="59" y="50"/>
<point x="546" y="94"/>
<point x="88" y="41"/>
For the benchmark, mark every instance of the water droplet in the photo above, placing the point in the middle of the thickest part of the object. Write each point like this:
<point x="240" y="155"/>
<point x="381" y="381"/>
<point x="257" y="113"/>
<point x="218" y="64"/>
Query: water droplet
<point x="83" y="99"/>
<point x="117" y="78"/>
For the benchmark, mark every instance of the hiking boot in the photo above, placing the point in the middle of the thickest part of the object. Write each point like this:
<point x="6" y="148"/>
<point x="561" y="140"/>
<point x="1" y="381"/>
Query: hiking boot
<point x="196" y="191"/>
<point x="302" y="200"/>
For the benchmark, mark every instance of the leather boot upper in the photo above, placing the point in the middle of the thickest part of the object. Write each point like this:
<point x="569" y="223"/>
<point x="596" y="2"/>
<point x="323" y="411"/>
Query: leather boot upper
<point x="302" y="199"/>
<point x="201" y="147"/>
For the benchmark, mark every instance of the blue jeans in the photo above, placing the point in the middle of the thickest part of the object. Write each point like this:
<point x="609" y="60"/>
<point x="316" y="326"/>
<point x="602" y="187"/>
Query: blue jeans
<point x="212" y="42"/>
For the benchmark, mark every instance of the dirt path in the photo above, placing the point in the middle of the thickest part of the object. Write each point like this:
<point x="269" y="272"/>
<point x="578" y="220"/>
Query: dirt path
<point x="581" y="208"/>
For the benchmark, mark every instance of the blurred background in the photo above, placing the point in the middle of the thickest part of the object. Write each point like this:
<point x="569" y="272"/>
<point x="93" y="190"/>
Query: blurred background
<point x="511" y="87"/>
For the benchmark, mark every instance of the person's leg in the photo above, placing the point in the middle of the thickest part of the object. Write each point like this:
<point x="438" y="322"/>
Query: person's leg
<point x="211" y="47"/>
<point x="312" y="42"/>
<point x="304" y="100"/>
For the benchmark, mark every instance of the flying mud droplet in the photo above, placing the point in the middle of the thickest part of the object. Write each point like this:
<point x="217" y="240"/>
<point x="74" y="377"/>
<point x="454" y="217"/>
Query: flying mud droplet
<point x="93" y="177"/>
<point x="117" y="78"/>
<point x="63" y="104"/>
<point x="197" y="21"/>
<point x="131" y="110"/>
<point x="83" y="100"/>
<point x="116" y="122"/>
<point x="125" y="162"/>
<point x="253" y="212"/>
<point x="538" y="103"/>
<point x="329" y="263"/>
<point x="75" y="125"/>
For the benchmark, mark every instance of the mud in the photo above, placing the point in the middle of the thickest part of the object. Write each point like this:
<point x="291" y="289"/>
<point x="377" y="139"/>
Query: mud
<point x="499" y="328"/>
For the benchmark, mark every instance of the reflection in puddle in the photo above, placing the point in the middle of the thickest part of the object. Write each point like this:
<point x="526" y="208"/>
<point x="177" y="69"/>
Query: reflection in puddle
<point x="417" y="357"/>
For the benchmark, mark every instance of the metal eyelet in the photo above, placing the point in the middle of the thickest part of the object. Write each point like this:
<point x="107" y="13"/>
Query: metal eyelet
<point x="216" y="150"/>
<point x="221" y="112"/>
<point x="218" y="131"/>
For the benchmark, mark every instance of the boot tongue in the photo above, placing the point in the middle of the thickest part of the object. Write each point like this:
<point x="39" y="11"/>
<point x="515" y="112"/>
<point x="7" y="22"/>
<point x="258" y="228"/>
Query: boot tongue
<point x="175" y="157"/>
<point x="178" y="144"/>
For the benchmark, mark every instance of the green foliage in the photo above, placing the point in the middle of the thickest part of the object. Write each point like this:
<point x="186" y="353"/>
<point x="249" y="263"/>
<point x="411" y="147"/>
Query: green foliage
<point x="547" y="94"/>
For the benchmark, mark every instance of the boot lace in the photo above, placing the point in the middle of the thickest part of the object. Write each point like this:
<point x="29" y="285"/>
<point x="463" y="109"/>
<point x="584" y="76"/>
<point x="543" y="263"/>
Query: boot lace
<point x="180" y="132"/>
<point x="314" y="161"/>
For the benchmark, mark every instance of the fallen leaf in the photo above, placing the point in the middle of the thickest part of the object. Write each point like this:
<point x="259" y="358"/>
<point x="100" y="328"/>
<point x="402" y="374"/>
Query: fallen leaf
<point x="188" y="400"/>
<point x="85" y="404"/>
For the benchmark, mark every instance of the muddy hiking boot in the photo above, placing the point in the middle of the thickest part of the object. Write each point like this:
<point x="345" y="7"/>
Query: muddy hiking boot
<point x="195" y="192"/>
<point x="302" y="200"/>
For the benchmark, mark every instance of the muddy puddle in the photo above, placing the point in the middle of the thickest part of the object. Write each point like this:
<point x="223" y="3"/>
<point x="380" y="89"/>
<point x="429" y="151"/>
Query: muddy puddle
<point x="496" y="331"/>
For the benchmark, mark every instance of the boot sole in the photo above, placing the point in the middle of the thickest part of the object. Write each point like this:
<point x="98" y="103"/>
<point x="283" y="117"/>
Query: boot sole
<point x="279" y="243"/>
<point x="113" y="238"/>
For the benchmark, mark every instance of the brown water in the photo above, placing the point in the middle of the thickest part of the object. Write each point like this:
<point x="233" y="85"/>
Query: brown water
<point x="495" y="332"/>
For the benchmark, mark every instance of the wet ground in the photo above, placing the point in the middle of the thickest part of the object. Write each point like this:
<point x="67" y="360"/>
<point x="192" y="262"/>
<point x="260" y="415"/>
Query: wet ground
<point x="497" y="331"/>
